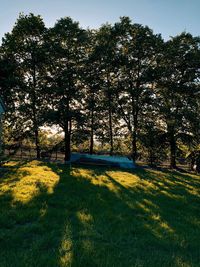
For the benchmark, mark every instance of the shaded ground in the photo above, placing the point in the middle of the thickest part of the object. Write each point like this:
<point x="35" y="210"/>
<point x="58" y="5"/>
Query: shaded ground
<point x="59" y="216"/>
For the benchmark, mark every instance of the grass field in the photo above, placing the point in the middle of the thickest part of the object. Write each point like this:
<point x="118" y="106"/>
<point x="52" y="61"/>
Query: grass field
<point x="55" y="216"/>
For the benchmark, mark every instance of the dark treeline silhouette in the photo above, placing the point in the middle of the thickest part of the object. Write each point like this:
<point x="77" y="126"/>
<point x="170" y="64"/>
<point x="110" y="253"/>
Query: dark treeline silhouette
<point x="119" y="84"/>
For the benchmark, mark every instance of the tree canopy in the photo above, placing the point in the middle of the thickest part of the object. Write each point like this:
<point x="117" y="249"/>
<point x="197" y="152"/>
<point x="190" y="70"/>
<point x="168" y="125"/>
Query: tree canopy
<point x="120" y="88"/>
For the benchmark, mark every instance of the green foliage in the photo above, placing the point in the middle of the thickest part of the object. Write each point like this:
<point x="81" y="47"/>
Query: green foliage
<point x="119" y="88"/>
<point x="25" y="45"/>
<point x="176" y="88"/>
<point x="138" y="49"/>
<point x="66" y="43"/>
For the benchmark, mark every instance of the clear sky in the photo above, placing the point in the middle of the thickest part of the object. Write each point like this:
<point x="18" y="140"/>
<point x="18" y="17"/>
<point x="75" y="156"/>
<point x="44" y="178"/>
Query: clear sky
<point x="168" y="17"/>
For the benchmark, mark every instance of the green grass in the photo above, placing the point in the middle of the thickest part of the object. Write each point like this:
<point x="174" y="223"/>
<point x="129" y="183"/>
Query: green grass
<point x="55" y="216"/>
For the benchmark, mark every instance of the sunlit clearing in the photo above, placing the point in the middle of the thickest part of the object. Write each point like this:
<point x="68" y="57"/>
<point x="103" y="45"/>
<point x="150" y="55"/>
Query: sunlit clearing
<point x="126" y="179"/>
<point x="111" y="179"/>
<point x="35" y="179"/>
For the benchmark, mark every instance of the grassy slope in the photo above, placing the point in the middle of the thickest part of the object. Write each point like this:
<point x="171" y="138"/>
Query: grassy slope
<point x="56" y="216"/>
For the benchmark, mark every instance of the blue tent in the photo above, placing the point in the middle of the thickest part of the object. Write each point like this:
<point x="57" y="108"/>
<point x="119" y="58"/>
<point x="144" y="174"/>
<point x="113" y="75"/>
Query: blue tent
<point x="103" y="160"/>
<point x="2" y="106"/>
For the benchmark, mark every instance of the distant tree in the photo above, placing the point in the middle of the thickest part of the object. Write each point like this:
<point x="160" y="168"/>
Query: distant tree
<point x="190" y="136"/>
<point x="153" y="140"/>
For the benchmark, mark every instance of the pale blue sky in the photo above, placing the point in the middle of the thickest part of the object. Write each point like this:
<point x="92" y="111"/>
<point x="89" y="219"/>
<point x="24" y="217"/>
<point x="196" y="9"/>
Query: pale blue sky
<point x="168" y="17"/>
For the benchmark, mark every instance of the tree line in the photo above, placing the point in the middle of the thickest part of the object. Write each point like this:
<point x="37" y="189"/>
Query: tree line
<point x="117" y="84"/>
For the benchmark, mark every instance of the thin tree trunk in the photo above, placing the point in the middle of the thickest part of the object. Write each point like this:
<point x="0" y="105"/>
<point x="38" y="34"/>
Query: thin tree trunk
<point x="67" y="147"/>
<point x="37" y="143"/>
<point x="134" y="145"/>
<point x="192" y="163"/>
<point x="135" y="111"/>
<point x="172" y="151"/>
<point x="110" y="115"/>
<point x="92" y="133"/>
<point x="110" y="130"/>
<point x="110" y="122"/>
<point x="91" y="142"/>
<point x="134" y="133"/>
<point x="67" y="140"/>
<point x="1" y="149"/>
<point x="35" y="123"/>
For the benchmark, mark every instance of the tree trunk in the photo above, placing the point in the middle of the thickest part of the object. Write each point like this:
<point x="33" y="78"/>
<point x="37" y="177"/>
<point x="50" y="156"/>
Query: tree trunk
<point x="35" y="121"/>
<point x="91" y="149"/>
<point x="110" y="115"/>
<point x="1" y="150"/>
<point x="135" y="111"/>
<point x="110" y="131"/>
<point x="67" y="147"/>
<point x="192" y="163"/>
<point x="198" y="163"/>
<point x="91" y="142"/>
<point x="92" y="133"/>
<point x="172" y="151"/>
<point x="134" y="134"/>
<point x="37" y="145"/>
<point x="67" y="140"/>
<point x="110" y="123"/>
<point x="134" y="146"/>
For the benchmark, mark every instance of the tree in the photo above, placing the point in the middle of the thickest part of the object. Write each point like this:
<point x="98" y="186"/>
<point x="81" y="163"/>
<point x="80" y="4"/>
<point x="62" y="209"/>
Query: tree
<point x="176" y="87"/>
<point x="92" y="90"/>
<point x="25" y="47"/>
<point x="152" y="138"/>
<point x="138" y="49"/>
<point x="67" y="45"/>
<point x="105" y="54"/>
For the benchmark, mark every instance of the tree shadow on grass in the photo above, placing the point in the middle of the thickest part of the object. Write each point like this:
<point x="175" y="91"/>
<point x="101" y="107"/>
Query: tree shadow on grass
<point x="93" y="219"/>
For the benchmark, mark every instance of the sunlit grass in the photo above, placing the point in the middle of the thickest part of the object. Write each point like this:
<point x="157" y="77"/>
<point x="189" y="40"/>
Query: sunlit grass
<point x="56" y="215"/>
<point x="27" y="181"/>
